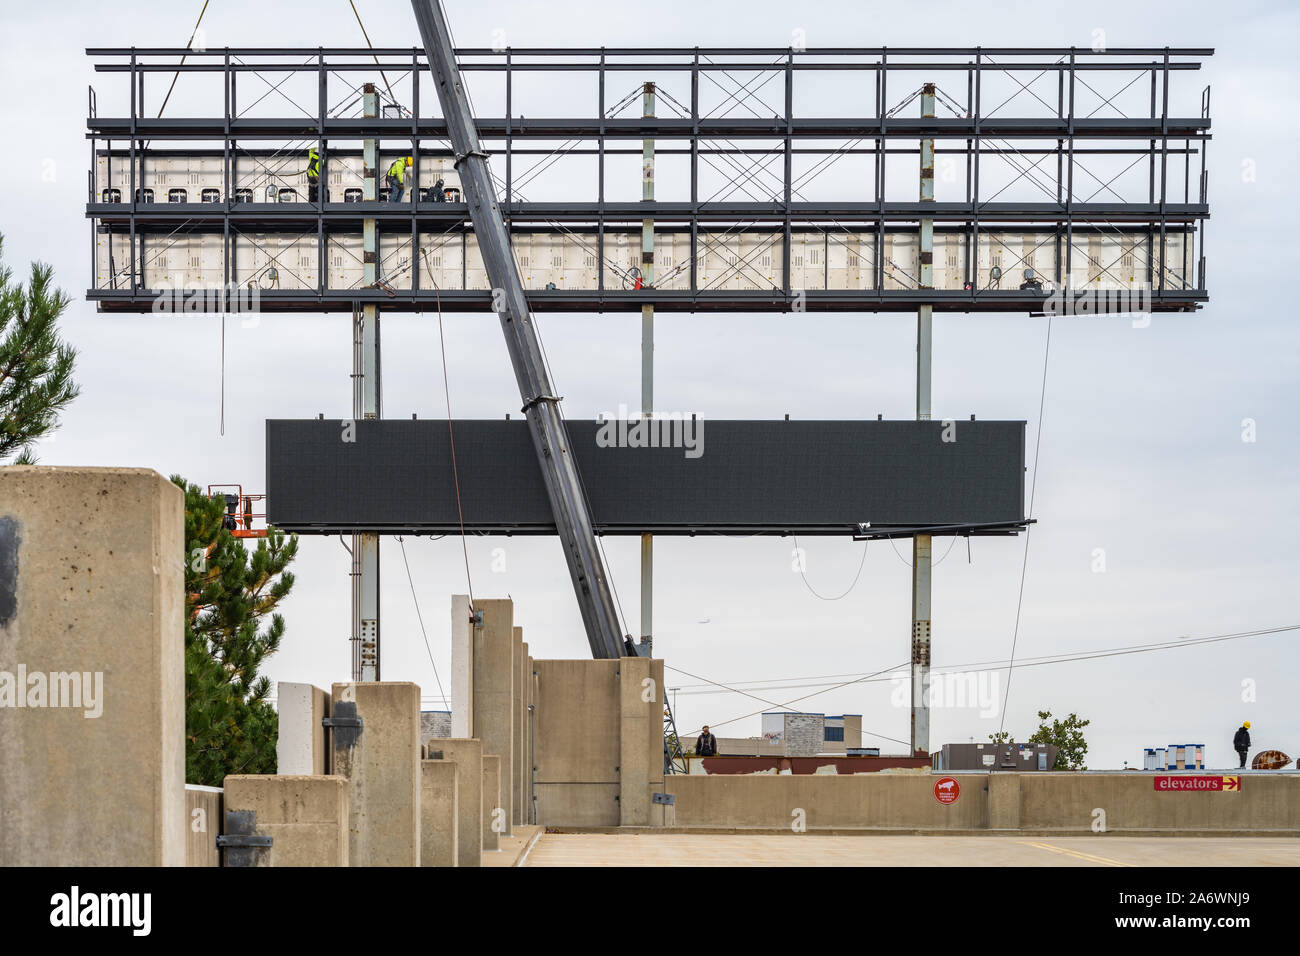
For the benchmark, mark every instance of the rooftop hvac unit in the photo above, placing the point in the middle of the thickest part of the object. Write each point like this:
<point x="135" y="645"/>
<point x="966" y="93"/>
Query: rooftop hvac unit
<point x="1008" y="757"/>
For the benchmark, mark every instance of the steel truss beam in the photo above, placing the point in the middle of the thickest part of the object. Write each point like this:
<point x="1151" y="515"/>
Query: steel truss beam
<point x="1047" y="141"/>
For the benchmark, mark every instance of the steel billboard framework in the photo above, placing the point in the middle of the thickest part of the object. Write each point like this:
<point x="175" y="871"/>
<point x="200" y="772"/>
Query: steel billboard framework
<point x="1049" y="148"/>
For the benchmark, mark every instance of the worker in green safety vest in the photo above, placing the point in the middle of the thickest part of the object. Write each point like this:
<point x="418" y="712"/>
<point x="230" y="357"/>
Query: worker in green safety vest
<point x="313" y="174"/>
<point x="396" y="177"/>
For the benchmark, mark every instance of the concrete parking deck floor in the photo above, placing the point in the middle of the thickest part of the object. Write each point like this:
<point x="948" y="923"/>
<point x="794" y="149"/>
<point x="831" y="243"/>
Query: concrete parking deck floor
<point x="681" y="849"/>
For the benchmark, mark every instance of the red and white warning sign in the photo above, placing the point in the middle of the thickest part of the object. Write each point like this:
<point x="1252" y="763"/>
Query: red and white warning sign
<point x="947" y="790"/>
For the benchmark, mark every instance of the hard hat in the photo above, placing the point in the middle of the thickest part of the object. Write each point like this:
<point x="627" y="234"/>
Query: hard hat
<point x="409" y="161"/>
<point x="1246" y="725"/>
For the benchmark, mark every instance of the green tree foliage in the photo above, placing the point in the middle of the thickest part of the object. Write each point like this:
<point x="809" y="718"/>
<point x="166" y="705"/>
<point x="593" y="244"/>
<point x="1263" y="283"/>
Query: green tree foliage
<point x="1067" y="736"/>
<point x="231" y="627"/>
<point x="35" y="364"/>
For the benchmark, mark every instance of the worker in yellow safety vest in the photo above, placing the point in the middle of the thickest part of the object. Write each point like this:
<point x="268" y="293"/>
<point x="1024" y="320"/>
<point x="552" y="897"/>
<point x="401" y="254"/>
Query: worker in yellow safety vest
<point x="313" y="174"/>
<point x="396" y="178"/>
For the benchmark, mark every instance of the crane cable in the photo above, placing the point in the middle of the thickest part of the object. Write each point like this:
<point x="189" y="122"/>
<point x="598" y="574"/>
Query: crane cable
<point x="177" y="74"/>
<point x="812" y="590"/>
<point x="451" y="435"/>
<point x="372" y="49"/>
<point x="1033" y="487"/>
<point x="420" y="617"/>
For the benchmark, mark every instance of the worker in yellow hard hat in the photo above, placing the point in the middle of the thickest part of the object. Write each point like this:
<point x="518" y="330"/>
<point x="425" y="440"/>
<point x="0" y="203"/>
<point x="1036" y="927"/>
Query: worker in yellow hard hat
<point x="1241" y="742"/>
<point x="396" y="177"/>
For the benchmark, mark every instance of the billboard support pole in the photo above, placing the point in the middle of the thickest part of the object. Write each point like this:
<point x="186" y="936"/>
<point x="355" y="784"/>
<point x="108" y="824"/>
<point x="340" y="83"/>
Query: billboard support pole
<point x="647" y="360"/>
<point x="920" y="735"/>
<point x="366" y="403"/>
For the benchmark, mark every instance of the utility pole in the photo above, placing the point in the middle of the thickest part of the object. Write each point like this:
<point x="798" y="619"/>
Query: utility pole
<point x="541" y="406"/>
<point x="366" y="403"/>
<point x="921" y="542"/>
<point x="647" y="360"/>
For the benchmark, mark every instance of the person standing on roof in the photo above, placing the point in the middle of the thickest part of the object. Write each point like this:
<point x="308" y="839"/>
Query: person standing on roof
<point x="706" y="745"/>
<point x="313" y="174"/>
<point x="1241" y="742"/>
<point x="396" y="177"/>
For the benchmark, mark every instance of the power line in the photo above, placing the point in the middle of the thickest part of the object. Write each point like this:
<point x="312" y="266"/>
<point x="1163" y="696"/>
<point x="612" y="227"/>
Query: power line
<point x="797" y="700"/>
<point x="980" y="666"/>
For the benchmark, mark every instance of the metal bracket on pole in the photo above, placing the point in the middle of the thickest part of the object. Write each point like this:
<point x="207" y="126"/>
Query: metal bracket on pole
<point x="241" y="845"/>
<point x="346" y="724"/>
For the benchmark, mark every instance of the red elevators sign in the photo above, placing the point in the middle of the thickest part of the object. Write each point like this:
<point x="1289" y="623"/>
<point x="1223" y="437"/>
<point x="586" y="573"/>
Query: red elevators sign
<point x="1196" y="784"/>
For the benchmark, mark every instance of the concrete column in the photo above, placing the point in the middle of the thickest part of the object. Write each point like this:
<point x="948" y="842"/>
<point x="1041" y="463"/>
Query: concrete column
<point x="531" y="754"/>
<point x="305" y="816"/>
<point x="494" y="820"/>
<point x="635" y="683"/>
<point x="462" y="668"/>
<point x="381" y="761"/>
<point x="494" y="680"/>
<point x="468" y="757"/>
<point x="518" y="726"/>
<point x="303" y="743"/>
<point x="1004" y="801"/>
<point x="439" y="812"/>
<point x="92" y="674"/>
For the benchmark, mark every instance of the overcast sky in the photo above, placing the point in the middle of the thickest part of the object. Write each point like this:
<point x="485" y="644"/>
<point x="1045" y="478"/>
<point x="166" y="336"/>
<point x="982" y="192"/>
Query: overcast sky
<point x="1142" y="452"/>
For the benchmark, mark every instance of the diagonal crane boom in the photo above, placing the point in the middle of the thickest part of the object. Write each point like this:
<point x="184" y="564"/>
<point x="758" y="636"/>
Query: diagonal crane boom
<point x="541" y="405"/>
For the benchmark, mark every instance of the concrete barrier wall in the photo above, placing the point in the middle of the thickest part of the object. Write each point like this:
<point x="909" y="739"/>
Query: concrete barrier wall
<point x="1067" y="801"/>
<point x="203" y="809"/>
<point x="494" y="823"/>
<point x="827" y="801"/>
<point x="438" y="812"/>
<point x="999" y="801"/>
<point x="518" y="728"/>
<point x="468" y="757"/>
<point x="577" y="735"/>
<point x="494" y="692"/>
<point x="598" y="733"/>
<point x="305" y="816"/>
<point x="382" y="765"/>
<point x="302" y="746"/>
<point x="92" y="759"/>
